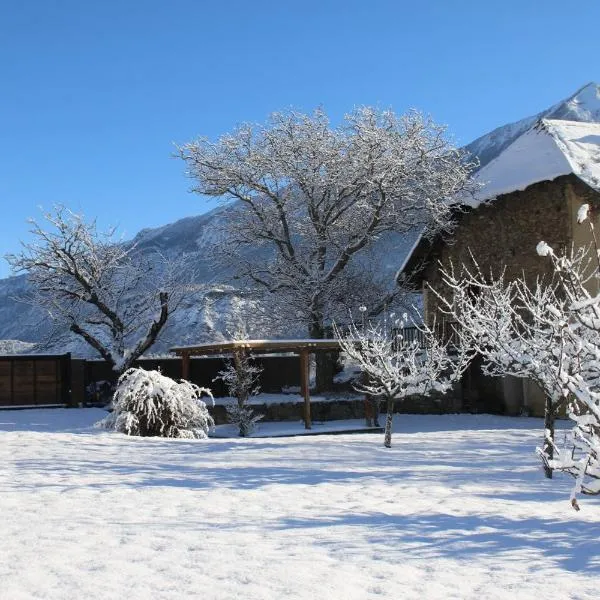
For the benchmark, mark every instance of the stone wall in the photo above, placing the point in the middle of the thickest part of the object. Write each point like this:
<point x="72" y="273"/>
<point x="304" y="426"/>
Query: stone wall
<point x="347" y="408"/>
<point x="502" y="236"/>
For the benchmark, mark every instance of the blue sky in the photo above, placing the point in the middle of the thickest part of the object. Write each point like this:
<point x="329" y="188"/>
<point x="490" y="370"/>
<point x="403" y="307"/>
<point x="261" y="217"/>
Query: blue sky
<point x="93" y="95"/>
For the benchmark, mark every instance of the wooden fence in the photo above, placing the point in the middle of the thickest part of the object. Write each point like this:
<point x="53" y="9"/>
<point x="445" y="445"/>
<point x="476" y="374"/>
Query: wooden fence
<point x="46" y="380"/>
<point x="57" y="380"/>
<point x="35" y="380"/>
<point x="278" y="372"/>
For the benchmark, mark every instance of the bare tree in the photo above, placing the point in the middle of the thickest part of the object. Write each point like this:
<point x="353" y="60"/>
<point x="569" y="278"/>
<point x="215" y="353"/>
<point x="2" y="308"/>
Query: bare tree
<point x="100" y="290"/>
<point x="312" y="200"/>
<point x="395" y="368"/>
<point x="550" y="333"/>
<point x="513" y="327"/>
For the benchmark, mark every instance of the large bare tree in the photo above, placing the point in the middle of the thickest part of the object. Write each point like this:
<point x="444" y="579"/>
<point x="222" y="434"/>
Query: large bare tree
<point x="101" y="290"/>
<point x="316" y="198"/>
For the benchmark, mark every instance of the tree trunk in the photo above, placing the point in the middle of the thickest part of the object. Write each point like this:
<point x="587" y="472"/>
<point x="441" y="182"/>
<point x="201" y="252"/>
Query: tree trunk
<point x="325" y="361"/>
<point x="387" y="437"/>
<point x="151" y="335"/>
<point x="244" y="430"/>
<point x="547" y="448"/>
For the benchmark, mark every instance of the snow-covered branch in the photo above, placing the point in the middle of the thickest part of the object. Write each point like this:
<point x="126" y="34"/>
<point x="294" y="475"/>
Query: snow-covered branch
<point x="98" y="288"/>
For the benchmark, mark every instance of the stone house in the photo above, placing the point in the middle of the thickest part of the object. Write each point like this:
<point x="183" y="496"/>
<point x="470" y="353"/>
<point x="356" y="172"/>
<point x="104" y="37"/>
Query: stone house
<point x="530" y="192"/>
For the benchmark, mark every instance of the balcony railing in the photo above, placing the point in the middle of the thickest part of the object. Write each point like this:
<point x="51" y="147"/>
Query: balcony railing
<point x="409" y="335"/>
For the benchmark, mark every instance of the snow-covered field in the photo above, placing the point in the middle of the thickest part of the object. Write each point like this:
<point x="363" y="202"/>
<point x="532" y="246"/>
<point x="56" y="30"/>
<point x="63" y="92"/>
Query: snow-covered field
<point x="457" y="508"/>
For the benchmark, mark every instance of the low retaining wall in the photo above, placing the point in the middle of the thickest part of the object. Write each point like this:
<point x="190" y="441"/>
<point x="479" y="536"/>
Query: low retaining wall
<point x="333" y="410"/>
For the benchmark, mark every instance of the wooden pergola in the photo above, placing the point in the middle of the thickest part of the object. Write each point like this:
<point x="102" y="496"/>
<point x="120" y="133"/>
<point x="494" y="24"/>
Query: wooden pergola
<point x="303" y="348"/>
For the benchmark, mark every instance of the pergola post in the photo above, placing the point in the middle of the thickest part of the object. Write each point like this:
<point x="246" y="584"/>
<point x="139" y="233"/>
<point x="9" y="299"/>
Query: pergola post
<point x="185" y="365"/>
<point x="304" y="385"/>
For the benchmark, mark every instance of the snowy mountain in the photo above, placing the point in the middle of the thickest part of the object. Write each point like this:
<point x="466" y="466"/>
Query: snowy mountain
<point x="583" y="105"/>
<point x="216" y="306"/>
<point x="19" y="320"/>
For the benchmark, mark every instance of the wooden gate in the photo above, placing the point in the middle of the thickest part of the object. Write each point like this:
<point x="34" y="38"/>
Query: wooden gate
<point x="35" y="380"/>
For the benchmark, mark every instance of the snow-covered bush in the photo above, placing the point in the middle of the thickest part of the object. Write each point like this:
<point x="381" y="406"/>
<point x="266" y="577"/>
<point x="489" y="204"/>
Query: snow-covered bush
<point x="241" y="380"/>
<point x="394" y="368"/>
<point x="146" y="403"/>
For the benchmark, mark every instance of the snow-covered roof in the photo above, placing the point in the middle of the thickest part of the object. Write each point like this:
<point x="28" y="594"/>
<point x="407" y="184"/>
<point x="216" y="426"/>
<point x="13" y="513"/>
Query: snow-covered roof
<point x="546" y="151"/>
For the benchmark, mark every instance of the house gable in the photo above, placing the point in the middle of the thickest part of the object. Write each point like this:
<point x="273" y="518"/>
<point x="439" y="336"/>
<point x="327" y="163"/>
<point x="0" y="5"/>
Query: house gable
<point x="503" y="235"/>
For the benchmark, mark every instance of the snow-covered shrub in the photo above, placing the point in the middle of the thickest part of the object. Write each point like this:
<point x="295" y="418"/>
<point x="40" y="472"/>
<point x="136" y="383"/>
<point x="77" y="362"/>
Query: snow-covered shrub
<point x="241" y="380"/>
<point x="146" y="403"/>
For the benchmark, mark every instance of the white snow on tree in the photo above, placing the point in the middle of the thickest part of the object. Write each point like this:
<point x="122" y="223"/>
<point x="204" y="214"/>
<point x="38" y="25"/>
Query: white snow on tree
<point x="15" y="347"/>
<point x="241" y="380"/>
<point x="316" y="198"/>
<point x="105" y="292"/>
<point x="394" y="368"/>
<point x="513" y="327"/>
<point x="548" y="331"/>
<point x="146" y="403"/>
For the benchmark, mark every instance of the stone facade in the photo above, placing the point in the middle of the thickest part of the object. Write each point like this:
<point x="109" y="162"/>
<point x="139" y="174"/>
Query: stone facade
<point x="502" y="235"/>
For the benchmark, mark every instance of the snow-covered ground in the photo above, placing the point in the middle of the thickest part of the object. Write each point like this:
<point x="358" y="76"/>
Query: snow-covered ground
<point x="457" y="508"/>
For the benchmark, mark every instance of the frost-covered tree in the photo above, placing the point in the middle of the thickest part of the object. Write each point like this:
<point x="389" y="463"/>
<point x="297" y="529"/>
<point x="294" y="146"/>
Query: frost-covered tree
<point x="512" y="326"/>
<point x="395" y="368"/>
<point x="241" y="378"/>
<point x="548" y="332"/>
<point x="101" y="290"/>
<point x="315" y="198"/>
<point x="146" y="403"/>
